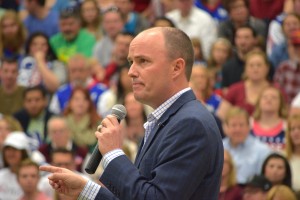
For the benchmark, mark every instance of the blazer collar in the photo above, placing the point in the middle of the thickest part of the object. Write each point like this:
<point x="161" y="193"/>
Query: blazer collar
<point x="184" y="98"/>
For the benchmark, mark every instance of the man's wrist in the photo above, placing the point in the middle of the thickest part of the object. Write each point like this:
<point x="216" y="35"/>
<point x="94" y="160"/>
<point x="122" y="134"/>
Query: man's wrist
<point x="109" y="156"/>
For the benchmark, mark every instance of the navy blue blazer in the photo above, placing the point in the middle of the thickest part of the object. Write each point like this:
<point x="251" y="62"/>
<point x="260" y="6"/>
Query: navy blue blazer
<point x="182" y="159"/>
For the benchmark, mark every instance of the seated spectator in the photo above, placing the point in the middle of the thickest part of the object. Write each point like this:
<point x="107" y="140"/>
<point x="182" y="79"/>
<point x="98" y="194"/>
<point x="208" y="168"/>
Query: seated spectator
<point x="91" y="18"/>
<point x="79" y="75"/>
<point x="8" y="124"/>
<point x="162" y="22"/>
<point x="257" y="188"/>
<point x="133" y="125"/>
<point x="233" y="69"/>
<point x="220" y="53"/>
<point x="200" y="83"/>
<point x="116" y="93"/>
<point x="113" y="24"/>
<point x="281" y="192"/>
<point x="12" y="35"/>
<point x="60" y="157"/>
<point x="82" y="118"/>
<point x="239" y="15"/>
<point x="195" y="22"/>
<point x="15" y="150"/>
<point x="10" y="92"/>
<point x="118" y="59"/>
<point x="295" y="105"/>
<point x="134" y="21"/>
<point x="268" y="122"/>
<point x="28" y="177"/>
<point x="276" y="35"/>
<point x="214" y="8"/>
<point x="248" y="90"/>
<point x="288" y="73"/>
<point x="35" y="114"/>
<point x="39" y="66"/>
<point x="277" y="170"/>
<point x="248" y="153"/>
<point x="60" y="137"/>
<point x="292" y="149"/>
<point x="72" y="39"/>
<point x="198" y="53"/>
<point x="40" y="18"/>
<point x="229" y="189"/>
<point x="285" y="50"/>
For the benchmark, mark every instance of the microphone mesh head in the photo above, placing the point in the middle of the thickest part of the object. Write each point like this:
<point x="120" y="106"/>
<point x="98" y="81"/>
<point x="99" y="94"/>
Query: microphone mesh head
<point x="119" y="111"/>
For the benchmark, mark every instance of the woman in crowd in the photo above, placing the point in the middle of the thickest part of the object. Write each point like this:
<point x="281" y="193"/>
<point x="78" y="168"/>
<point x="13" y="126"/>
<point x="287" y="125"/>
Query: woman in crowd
<point x="40" y="65"/>
<point x="91" y="18"/>
<point x="245" y="93"/>
<point x="82" y="118"/>
<point x="292" y="149"/>
<point x="268" y="121"/>
<point x="229" y="189"/>
<point x="221" y="51"/>
<point x="203" y="88"/>
<point x="277" y="170"/>
<point x="12" y="35"/>
<point x="15" y="150"/>
<point x="281" y="192"/>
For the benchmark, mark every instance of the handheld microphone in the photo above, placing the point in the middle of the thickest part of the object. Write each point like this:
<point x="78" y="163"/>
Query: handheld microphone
<point x="119" y="111"/>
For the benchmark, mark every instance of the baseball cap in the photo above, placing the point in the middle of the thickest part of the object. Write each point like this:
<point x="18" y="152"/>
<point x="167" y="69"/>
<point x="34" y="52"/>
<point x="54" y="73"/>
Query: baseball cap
<point x="295" y="37"/>
<point x="17" y="140"/>
<point x="259" y="181"/>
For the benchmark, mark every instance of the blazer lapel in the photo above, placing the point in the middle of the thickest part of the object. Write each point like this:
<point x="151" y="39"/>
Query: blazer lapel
<point x="184" y="98"/>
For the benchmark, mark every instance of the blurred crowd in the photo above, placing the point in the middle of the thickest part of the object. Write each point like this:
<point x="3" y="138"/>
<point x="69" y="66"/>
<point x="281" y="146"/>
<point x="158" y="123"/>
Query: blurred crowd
<point x="63" y="66"/>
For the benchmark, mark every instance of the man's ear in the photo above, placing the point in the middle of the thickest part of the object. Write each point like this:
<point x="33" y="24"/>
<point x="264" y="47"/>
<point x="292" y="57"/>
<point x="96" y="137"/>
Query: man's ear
<point x="178" y="67"/>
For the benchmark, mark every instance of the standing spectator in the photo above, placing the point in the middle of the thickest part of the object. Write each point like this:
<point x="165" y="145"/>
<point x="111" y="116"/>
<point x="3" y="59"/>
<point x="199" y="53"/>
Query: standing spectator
<point x="229" y="189"/>
<point x="268" y="122"/>
<point x="257" y="188"/>
<point x="10" y="92"/>
<point x="60" y="137"/>
<point x="79" y="75"/>
<point x="72" y="39"/>
<point x="245" y="93"/>
<point x="233" y="69"/>
<point x="91" y="18"/>
<point x="266" y="9"/>
<point x="134" y="21"/>
<point x="82" y="118"/>
<point x="35" y="114"/>
<point x="40" y="18"/>
<point x="277" y="170"/>
<point x="113" y="24"/>
<point x="28" y="177"/>
<point x="288" y="73"/>
<point x="39" y="66"/>
<point x="214" y="8"/>
<point x="195" y="22"/>
<point x="293" y="149"/>
<point x="239" y="15"/>
<point x="248" y="153"/>
<point x="12" y="35"/>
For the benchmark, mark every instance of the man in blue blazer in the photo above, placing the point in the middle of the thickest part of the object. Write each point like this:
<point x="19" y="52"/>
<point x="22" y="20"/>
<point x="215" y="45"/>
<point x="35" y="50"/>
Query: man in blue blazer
<point x="181" y="156"/>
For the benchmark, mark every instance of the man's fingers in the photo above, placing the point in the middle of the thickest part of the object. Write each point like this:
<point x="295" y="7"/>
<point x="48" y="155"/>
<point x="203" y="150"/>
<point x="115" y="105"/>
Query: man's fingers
<point x="51" y="169"/>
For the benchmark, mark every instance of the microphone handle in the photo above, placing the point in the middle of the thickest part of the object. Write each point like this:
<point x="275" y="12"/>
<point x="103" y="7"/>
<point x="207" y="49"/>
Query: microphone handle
<point x="94" y="161"/>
